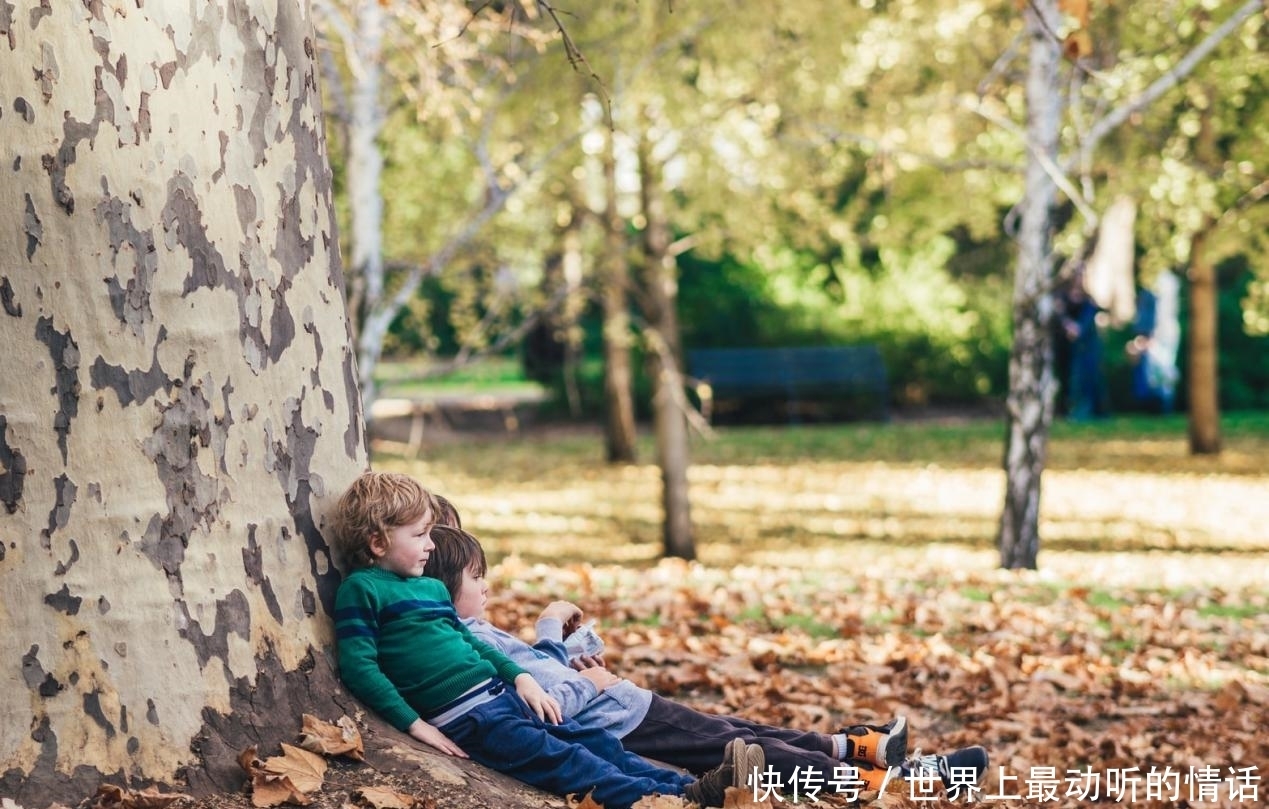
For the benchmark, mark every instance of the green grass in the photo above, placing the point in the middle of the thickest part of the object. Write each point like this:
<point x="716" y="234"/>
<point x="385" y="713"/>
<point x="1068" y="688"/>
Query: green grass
<point x="1138" y="442"/>
<point x="489" y="375"/>
<point x="1153" y="445"/>
<point x="1238" y="611"/>
<point x="1100" y="599"/>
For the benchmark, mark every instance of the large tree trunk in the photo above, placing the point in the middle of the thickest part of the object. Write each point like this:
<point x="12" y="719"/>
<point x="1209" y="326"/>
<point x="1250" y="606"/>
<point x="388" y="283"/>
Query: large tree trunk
<point x="1031" y="381"/>
<point x="1203" y="386"/>
<point x="619" y="422"/>
<point x="179" y="399"/>
<point x="664" y="361"/>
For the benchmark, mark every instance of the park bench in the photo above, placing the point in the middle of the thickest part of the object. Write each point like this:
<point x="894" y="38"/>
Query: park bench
<point x="406" y="420"/>
<point x="806" y="381"/>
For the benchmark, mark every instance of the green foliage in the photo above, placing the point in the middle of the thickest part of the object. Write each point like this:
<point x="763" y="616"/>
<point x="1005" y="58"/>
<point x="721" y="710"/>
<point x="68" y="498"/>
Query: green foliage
<point x="943" y="340"/>
<point x="1244" y="356"/>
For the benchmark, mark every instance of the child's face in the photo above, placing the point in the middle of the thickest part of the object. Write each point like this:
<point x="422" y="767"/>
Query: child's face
<point x="406" y="548"/>
<point x="472" y="594"/>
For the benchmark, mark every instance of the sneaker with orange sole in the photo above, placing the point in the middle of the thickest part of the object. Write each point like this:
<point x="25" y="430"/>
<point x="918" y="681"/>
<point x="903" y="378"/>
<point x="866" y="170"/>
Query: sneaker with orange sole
<point x="881" y="745"/>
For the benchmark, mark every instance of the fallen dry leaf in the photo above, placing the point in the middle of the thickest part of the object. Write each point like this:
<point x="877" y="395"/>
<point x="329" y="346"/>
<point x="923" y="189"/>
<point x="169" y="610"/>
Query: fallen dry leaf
<point x="660" y="802"/>
<point x="383" y="798"/>
<point x="288" y="778"/>
<point x="249" y="761"/>
<point x="306" y="770"/>
<point x="110" y="796"/>
<point x="324" y="738"/>
<point x="275" y="790"/>
<point x="585" y="802"/>
<point x="735" y="798"/>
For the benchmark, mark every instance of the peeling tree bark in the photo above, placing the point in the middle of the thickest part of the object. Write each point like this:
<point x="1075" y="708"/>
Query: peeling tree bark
<point x="178" y="396"/>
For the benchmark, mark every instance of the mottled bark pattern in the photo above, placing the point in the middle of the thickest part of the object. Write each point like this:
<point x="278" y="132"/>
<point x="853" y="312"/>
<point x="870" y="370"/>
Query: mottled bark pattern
<point x="178" y="402"/>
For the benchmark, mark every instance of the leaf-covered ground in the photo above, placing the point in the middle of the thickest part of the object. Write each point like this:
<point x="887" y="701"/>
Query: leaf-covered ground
<point x="1095" y="677"/>
<point x="849" y="574"/>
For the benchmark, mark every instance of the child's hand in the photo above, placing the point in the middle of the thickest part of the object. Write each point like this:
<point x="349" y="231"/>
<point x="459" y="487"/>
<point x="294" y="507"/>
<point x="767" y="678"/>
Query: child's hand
<point x="543" y="704"/>
<point x="583" y="662"/>
<point x="432" y="737"/>
<point x="570" y="615"/>
<point x="602" y="679"/>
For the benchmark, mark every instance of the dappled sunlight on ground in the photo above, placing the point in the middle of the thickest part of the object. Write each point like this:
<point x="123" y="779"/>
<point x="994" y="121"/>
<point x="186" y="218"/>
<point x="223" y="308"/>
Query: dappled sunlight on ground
<point x="782" y="513"/>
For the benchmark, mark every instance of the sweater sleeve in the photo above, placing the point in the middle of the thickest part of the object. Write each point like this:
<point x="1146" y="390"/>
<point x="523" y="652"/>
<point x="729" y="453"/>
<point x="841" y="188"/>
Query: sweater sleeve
<point x="357" y="637"/>
<point x="551" y="640"/>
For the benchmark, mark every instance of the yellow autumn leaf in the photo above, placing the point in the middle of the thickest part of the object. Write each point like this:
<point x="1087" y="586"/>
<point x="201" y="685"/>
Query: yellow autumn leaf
<point x="305" y="770"/>
<point x="274" y="790"/>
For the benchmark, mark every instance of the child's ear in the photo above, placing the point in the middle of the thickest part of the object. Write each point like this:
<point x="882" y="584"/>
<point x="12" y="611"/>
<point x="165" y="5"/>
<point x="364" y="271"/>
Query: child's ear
<point x="378" y="545"/>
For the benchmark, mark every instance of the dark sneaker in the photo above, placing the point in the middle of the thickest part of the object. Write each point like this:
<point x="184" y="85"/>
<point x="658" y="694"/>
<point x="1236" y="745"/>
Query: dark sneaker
<point x="882" y="745"/>
<point x="739" y="762"/>
<point x="959" y="770"/>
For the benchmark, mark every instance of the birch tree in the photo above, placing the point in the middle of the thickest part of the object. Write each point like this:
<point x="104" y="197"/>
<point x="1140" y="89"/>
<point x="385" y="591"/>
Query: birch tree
<point x="1031" y="382"/>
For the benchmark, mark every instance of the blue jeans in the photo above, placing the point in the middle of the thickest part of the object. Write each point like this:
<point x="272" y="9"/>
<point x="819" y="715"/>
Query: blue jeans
<point x="505" y="735"/>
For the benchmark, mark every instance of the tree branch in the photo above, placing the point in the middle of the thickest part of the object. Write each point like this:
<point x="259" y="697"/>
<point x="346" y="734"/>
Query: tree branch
<point x="1056" y="174"/>
<point x="1171" y="78"/>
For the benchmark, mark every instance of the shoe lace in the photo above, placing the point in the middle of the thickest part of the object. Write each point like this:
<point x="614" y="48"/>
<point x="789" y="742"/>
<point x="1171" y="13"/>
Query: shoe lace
<point x="916" y="763"/>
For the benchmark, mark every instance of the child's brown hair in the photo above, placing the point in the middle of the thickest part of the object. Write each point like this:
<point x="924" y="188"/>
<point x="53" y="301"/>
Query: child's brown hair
<point x="375" y="503"/>
<point x="446" y="514"/>
<point x="455" y="551"/>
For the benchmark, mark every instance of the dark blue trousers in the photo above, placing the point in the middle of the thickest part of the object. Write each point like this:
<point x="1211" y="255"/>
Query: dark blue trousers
<point x="505" y="735"/>
<point x="678" y="735"/>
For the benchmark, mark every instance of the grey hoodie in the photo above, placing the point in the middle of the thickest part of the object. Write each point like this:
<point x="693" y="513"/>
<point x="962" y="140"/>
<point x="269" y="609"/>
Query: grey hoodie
<point x="621" y="707"/>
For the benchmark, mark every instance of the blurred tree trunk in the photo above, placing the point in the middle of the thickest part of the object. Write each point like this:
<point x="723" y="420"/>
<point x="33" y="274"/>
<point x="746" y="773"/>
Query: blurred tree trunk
<point x="619" y="422"/>
<point x="1203" y="379"/>
<point x="1032" y="386"/>
<point x="664" y="353"/>
<point x="1203" y="386"/>
<point x="365" y="196"/>
<point x="179" y="398"/>
<point x="552" y="347"/>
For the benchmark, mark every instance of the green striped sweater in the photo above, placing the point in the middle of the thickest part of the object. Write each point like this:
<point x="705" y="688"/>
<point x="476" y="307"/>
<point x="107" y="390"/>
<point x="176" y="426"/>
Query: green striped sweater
<point x="402" y="649"/>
